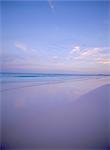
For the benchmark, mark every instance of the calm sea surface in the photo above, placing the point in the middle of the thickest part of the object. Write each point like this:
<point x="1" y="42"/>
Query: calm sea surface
<point x="19" y="80"/>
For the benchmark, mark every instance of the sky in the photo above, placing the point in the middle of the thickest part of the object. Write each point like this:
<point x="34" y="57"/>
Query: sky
<point x="55" y="36"/>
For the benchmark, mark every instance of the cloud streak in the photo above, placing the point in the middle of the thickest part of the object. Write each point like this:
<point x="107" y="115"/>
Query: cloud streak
<point x="51" y="5"/>
<point x="77" y="58"/>
<point x="90" y="52"/>
<point x="84" y="52"/>
<point x="98" y="55"/>
<point x="104" y="61"/>
<point x="21" y="46"/>
<point x="76" y="49"/>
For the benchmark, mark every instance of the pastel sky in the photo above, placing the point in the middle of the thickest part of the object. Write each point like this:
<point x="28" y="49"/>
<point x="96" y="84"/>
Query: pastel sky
<point x="55" y="36"/>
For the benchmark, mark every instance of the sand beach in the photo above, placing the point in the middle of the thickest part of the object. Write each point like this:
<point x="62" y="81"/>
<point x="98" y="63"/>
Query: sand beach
<point x="67" y="115"/>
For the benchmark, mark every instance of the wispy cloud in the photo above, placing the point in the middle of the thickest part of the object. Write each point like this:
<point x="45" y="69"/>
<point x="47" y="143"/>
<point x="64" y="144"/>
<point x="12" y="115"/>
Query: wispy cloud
<point x="27" y="54"/>
<point x="76" y="49"/>
<point x="55" y="57"/>
<point x="103" y="61"/>
<point x="28" y="57"/>
<point x="84" y="52"/>
<point x="25" y="47"/>
<point x="90" y="52"/>
<point x="21" y="46"/>
<point x="51" y="5"/>
<point x="90" y="56"/>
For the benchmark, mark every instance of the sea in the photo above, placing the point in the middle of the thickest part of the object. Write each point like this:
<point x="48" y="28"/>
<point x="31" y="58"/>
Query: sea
<point x="11" y="81"/>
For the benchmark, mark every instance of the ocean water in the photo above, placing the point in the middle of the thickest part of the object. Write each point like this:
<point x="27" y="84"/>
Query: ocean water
<point x="20" y="80"/>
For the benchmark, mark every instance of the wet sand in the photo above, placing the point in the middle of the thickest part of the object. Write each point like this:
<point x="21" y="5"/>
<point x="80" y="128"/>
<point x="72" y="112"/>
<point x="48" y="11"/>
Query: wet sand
<point x="57" y="116"/>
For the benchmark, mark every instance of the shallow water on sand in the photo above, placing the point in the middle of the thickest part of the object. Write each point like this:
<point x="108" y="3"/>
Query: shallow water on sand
<point x="22" y="80"/>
